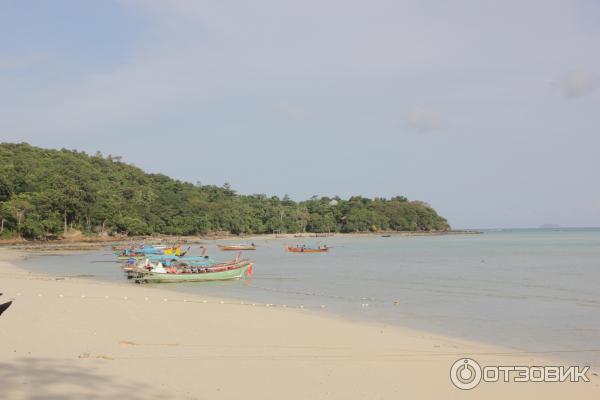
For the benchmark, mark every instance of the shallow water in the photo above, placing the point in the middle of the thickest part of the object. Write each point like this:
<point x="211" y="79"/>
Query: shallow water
<point x="531" y="290"/>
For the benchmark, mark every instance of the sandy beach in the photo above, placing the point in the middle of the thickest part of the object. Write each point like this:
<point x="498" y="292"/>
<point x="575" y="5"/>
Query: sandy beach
<point x="66" y="338"/>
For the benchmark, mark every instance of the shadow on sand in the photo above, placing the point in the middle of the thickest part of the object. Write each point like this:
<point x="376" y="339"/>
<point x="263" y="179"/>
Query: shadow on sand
<point x="49" y="379"/>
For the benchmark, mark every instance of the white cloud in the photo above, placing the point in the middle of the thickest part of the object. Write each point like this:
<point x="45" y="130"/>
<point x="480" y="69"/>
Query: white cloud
<point x="579" y="83"/>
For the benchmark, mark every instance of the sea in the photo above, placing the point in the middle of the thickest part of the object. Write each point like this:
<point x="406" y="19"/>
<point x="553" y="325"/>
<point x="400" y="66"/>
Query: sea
<point x="530" y="290"/>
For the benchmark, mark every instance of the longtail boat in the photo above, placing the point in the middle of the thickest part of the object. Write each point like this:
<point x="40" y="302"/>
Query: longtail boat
<point x="153" y="262"/>
<point x="304" y="249"/>
<point x="141" y="253"/>
<point x="186" y="259"/>
<point x="238" y="247"/>
<point x="222" y="271"/>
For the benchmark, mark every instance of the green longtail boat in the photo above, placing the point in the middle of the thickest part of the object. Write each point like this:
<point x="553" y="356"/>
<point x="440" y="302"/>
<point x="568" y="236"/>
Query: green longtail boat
<point x="223" y="271"/>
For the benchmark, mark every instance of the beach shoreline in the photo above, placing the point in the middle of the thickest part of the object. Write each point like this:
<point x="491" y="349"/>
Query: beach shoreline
<point x="90" y="242"/>
<point x="149" y="342"/>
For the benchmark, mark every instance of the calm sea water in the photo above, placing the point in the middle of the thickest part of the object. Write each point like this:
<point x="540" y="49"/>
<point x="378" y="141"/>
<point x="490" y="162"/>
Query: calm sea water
<point x="530" y="290"/>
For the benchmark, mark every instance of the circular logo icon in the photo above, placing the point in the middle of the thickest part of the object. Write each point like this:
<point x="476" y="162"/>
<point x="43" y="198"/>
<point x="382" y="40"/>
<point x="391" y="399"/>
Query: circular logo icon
<point x="465" y="373"/>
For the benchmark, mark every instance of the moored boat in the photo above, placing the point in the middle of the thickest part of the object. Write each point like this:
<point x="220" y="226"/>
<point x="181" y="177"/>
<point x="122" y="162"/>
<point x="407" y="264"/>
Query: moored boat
<point x="222" y="271"/>
<point x="140" y="253"/>
<point x="304" y="249"/>
<point x="238" y="247"/>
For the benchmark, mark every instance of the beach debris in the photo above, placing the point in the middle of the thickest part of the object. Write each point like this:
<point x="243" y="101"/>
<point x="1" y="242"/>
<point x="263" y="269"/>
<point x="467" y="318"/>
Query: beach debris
<point x="127" y="343"/>
<point x="99" y="356"/>
<point x="4" y="306"/>
<point x="396" y="302"/>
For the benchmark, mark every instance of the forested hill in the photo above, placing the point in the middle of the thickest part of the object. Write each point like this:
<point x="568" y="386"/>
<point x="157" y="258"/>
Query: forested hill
<point x="43" y="192"/>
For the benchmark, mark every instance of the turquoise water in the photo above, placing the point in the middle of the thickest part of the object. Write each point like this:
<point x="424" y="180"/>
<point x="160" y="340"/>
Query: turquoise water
<point x="530" y="290"/>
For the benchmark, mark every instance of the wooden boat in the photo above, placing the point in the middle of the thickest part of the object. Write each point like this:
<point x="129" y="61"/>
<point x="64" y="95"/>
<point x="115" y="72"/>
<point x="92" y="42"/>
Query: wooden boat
<point x="235" y="269"/>
<point x="134" y="257"/>
<point x="165" y="259"/>
<point x="234" y="247"/>
<point x="304" y="249"/>
<point x="139" y="254"/>
<point x="150" y="263"/>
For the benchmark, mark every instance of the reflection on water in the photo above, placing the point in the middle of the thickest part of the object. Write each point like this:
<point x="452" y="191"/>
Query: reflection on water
<point x="532" y="290"/>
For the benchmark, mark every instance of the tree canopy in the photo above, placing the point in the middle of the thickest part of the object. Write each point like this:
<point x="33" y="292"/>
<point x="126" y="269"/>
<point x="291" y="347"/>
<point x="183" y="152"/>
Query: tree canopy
<point x="45" y="193"/>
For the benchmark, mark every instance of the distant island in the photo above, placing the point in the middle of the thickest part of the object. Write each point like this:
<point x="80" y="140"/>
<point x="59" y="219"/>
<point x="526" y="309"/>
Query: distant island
<point x="45" y="194"/>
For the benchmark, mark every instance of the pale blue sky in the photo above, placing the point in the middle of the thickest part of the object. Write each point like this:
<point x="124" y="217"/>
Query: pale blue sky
<point x="488" y="110"/>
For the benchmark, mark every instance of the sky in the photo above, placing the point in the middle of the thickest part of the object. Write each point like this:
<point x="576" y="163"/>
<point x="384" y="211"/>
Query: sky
<point x="487" y="110"/>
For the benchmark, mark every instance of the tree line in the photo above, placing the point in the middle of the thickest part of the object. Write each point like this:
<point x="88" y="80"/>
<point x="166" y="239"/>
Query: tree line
<point x="44" y="193"/>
